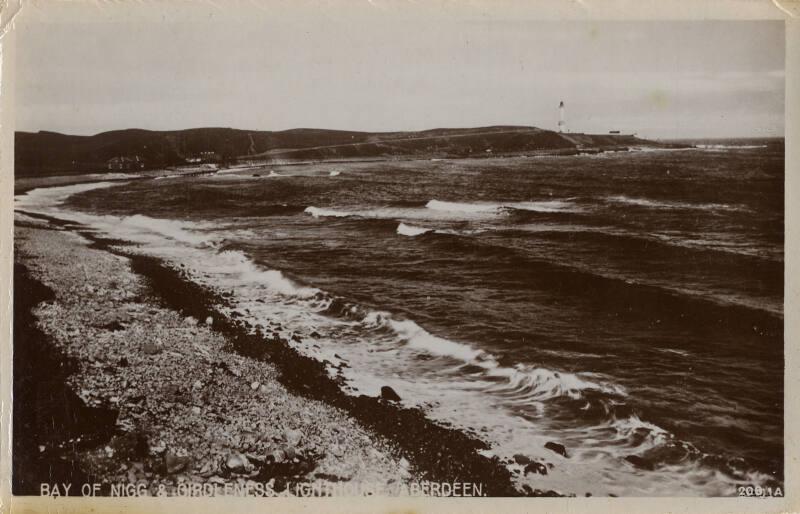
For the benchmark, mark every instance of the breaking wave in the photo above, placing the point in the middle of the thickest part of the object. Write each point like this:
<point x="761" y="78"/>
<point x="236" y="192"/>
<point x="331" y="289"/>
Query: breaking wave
<point x="730" y="147"/>
<point x="411" y="230"/>
<point x="525" y="383"/>
<point x="539" y="206"/>
<point x="658" y="204"/>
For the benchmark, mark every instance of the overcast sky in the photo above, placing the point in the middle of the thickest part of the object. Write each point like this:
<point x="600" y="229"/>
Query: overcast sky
<point x="280" y="70"/>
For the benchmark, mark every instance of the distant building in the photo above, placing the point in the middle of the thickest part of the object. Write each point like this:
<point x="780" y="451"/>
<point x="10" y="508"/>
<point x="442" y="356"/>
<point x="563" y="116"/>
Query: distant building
<point x="209" y="157"/>
<point x="204" y="157"/>
<point x="125" y="163"/>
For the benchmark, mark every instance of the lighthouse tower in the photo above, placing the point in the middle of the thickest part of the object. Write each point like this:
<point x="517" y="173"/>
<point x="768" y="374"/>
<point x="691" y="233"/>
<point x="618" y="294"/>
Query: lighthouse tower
<point x="562" y="126"/>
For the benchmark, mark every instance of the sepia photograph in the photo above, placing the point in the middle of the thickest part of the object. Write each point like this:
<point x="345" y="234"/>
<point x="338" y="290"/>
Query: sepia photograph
<point x="395" y="250"/>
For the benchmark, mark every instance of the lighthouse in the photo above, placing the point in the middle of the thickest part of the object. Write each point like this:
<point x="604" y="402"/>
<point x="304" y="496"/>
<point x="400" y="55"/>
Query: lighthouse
<point x="561" y="122"/>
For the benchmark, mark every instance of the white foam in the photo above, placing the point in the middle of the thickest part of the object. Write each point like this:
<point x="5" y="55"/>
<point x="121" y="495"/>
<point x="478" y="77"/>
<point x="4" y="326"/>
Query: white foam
<point x="411" y="230"/>
<point x="529" y="384"/>
<point x="182" y="231"/>
<point x="438" y="205"/>
<point x="656" y="204"/>
<point x="730" y="147"/>
<point x="418" y="338"/>
<point x="334" y="173"/>
<point x="486" y="207"/>
<point x="53" y="196"/>
<point x="237" y="266"/>
<point x="137" y="228"/>
<point x="114" y="176"/>
<point x="540" y="384"/>
<point x="545" y="206"/>
<point x="627" y="428"/>
<point x="436" y="210"/>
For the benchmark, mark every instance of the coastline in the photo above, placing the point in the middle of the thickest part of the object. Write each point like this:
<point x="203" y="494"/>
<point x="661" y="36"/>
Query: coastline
<point x="25" y="183"/>
<point x="124" y="299"/>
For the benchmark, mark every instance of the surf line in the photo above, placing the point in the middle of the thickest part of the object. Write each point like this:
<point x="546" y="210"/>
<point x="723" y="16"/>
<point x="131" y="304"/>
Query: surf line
<point x="441" y="454"/>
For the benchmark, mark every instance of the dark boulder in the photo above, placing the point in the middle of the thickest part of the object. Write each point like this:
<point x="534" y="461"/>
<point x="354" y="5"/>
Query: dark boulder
<point x="387" y="393"/>
<point x="536" y="467"/>
<point x="639" y="462"/>
<point x="114" y="326"/>
<point x="151" y="348"/>
<point x="556" y="447"/>
<point x="173" y="463"/>
<point x="522" y="459"/>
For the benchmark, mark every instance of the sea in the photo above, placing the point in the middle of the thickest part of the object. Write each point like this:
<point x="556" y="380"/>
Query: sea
<point x="627" y="305"/>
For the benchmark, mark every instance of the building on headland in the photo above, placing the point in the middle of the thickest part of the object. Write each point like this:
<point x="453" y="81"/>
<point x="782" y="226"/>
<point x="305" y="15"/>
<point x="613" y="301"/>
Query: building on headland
<point x="562" y="124"/>
<point x="125" y="163"/>
<point x="204" y="157"/>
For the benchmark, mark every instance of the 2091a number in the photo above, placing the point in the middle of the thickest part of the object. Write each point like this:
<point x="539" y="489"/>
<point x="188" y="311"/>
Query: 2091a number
<point x="756" y="491"/>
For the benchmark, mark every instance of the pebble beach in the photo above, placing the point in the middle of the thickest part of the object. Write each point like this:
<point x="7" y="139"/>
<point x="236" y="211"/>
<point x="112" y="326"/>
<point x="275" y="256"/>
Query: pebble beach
<point x="185" y="409"/>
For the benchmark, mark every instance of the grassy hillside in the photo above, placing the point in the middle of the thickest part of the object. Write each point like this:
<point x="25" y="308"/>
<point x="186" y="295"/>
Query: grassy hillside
<point x="47" y="153"/>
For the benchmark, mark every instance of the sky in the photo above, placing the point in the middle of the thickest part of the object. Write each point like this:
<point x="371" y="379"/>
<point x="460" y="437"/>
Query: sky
<point x="275" y="69"/>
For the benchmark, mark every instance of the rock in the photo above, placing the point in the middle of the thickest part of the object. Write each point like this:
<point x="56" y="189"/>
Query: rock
<point x="237" y="463"/>
<point x="190" y="322"/>
<point x="263" y="389"/>
<point x="404" y="463"/>
<point x="254" y="386"/>
<point x="556" y="447"/>
<point x="196" y="410"/>
<point x="276" y="457"/>
<point x="536" y="467"/>
<point x="151" y="348"/>
<point x="640" y="462"/>
<point x="197" y="384"/>
<point x="290" y="452"/>
<point x="209" y="468"/>
<point x="293" y="437"/>
<point x="209" y="321"/>
<point x="175" y="464"/>
<point x="387" y="393"/>
<point x="171" y="392"/>
<point x="114" y="326"/>
<point x="522" y="460"/>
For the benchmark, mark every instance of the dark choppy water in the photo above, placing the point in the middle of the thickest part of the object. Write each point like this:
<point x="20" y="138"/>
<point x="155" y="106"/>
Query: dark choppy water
<point x="623" y="304"/>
